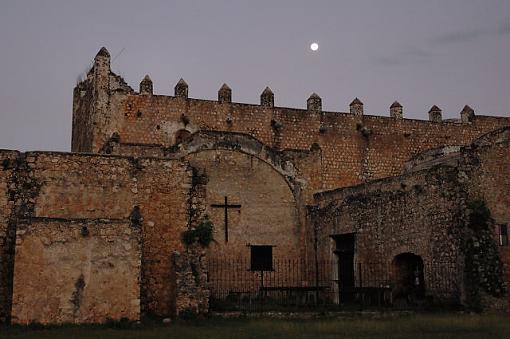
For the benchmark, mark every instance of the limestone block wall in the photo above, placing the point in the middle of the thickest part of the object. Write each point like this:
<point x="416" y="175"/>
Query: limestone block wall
<point x="348" y="156"/>
<point x="76" y="271"/>
<point x="56" y="193"/>
<point x="88" y="186"/>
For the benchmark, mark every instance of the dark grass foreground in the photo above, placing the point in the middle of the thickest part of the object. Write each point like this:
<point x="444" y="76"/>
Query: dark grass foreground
<point x="415" y="326"/>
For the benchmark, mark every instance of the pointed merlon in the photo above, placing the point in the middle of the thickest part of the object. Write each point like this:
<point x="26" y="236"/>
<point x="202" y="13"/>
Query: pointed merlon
<point x="267" y="90"/>
<point x="396" y="110"/>
<point x="102" y="62"/>
<point x="225" y="94"/>
<point x="181" y="89"/>
<point x="467" y="108"/>
<point x="146" y="86"/>
<point x="267" y="98"/>
<point x="314" y="103"/>
<point x="181" y="82"/>
<point x="435" y="114"/>
<point x="467" y="114"/>
<point x="435" y="109"/>
<point x="103" y="52"/>
<point x="356" y="107"/>
<point x="356" y="101"/>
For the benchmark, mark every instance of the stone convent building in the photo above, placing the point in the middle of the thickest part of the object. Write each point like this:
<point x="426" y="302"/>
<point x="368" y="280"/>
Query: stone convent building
<point x="334" y="203"/>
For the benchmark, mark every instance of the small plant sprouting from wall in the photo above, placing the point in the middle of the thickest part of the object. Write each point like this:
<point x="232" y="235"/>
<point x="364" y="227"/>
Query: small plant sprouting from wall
<point x="201" y="234"/>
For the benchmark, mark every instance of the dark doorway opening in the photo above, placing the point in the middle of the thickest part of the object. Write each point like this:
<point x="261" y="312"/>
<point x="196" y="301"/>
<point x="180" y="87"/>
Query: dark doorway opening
<point x="345" y="254"/>
<point x="408" y="278"/>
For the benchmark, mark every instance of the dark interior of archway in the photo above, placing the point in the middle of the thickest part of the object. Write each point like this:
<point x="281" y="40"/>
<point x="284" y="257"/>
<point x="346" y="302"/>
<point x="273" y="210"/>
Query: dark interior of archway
<point x="408" y="277"/>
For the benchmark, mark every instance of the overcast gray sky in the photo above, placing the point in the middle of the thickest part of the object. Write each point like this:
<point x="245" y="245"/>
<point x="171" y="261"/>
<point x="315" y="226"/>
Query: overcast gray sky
<point x="443" y="52"/>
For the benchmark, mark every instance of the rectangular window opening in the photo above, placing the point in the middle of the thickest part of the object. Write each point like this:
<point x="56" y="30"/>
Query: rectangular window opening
<point x="261" y="258"/>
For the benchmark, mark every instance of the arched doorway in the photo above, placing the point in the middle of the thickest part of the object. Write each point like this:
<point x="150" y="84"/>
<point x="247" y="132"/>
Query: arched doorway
<point x="408" y="278"/>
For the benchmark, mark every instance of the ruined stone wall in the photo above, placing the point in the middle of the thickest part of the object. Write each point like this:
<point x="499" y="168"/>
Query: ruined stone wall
<point x="446" y="208"/>
<point x="163" y="193"/>
<point x="76" y="271"/>
<point x="54" y="191"/>
<point x="93" y="99"/>
<point x="7" y="179"/>
<point x="111" y="187"/>
<point x="419" y="213"/>
<point x="489" y="161"/>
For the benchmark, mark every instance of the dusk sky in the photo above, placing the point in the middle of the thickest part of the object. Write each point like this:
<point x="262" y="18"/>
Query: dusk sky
<point x="422" y="53"/>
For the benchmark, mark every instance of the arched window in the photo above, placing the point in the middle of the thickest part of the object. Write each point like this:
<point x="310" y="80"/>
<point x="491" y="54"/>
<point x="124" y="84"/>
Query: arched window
<point x="181" y="136"/>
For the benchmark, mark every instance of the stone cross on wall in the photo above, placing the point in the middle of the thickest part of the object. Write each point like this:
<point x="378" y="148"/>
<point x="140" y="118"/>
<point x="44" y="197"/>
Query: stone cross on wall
<point x="226" y="206"/>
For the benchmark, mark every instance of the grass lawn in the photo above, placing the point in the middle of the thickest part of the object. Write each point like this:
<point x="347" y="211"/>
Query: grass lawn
<point x="413" y="326"/>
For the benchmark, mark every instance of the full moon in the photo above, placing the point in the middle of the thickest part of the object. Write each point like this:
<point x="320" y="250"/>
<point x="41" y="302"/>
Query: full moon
<point x="314" y="46"/>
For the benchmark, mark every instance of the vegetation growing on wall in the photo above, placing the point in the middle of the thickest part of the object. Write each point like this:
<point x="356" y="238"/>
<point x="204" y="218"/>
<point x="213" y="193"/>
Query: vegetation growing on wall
<point x="201" y="234"/>
<point x="484" y="270"/>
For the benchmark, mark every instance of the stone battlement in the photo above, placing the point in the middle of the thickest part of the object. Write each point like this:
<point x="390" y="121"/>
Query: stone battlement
<point x="267" y="98"/>
<point x="355" y="147"/>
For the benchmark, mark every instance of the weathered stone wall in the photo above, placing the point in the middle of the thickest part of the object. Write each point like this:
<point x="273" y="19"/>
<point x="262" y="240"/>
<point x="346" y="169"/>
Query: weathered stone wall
<point x="92" y="102"/>
<point x="7" y="178"/>
<point x="111" y="187"/>
<point x="446" y="208"/>
<point x="152" y="194"/>
<point x="268" y="214"/>
<point x="163" y="196"/>
<point x="419" y="213"/>
<point x="348" y="156"/>
<point x="488" y="165"/>
<point x="76" y="271"/>
<point x="192" y="281"/>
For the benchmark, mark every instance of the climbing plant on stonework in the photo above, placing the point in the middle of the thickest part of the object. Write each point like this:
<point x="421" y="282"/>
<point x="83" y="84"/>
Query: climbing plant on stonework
<point x="479" y="216"/>
<point x="201" y="233"/>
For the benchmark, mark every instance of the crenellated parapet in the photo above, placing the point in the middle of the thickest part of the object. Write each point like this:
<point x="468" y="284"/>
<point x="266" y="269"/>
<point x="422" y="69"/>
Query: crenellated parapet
<point x="101" y="70"/>
<point x="104" y="105"/>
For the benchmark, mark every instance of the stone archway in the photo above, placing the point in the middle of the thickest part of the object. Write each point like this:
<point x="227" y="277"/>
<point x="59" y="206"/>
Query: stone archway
<point x="253" y="196"/>
<point x="408" y="277"/>
<point x="250" y="203"/>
